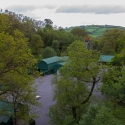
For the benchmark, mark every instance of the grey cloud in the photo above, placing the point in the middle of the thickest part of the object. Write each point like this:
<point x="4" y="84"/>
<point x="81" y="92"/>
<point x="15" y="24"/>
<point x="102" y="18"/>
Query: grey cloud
<point x="97" y="9"/>
<point x="49" y="6"/>
<point x="21" y="8"/>
<point x="24" y="8"/>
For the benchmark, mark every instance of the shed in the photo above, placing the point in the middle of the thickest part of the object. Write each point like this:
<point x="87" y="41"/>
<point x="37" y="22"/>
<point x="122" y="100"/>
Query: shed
<point x="47" y="65"/>
<point x="6" y="118"/>
<point x="105" y="58"/>
<point x="57" y="66"/>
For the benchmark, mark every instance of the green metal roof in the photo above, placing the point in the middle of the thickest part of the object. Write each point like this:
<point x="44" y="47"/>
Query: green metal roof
<point x="62" y="64"/>
<point x="58" y="65"/>
<point x="51" y="59"/>
<point x="7" y="108"/>
<point x="63" y="58"/>
<point x="105" y="58"/>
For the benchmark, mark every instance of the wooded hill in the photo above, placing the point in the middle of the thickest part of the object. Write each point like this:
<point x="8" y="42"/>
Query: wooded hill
<point x="96" y="30"/>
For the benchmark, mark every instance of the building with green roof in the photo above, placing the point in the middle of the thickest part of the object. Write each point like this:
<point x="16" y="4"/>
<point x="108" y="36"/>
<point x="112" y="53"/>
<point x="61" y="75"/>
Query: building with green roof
<point x="57" y="66"/>
<point x="51" y="65"/>
<point x="46" y="65"/>
<point x="6" y="113"/>
<point x="105" y="58"/>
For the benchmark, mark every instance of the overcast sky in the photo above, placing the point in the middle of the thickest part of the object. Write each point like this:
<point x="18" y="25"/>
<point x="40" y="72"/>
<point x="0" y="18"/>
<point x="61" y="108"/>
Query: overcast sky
<point x="66" y="13"/>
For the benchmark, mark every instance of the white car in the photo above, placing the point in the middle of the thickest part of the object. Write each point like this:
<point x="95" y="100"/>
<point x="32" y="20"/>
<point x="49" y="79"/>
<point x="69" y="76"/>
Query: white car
<point x="37" y="97"/>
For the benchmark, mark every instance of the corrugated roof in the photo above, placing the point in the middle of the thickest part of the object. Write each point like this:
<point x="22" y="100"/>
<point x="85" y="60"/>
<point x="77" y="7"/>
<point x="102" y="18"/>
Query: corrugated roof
<point x="51" y="59"/>
<point x="6" y="107"/>
<point x="63" y="58"/>
<point x="4" y="119"/>
<point x="62" y="64"/>
<point x="105" y="58"/>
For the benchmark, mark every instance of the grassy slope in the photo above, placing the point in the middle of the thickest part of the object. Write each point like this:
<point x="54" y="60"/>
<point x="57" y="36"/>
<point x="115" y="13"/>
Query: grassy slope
<point x="96" y="30"/>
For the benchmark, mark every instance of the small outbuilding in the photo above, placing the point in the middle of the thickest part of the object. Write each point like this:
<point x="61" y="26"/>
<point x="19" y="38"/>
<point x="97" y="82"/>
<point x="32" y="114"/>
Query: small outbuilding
<point x="47" y="65"/>
<point x="6" y="116"/>
<point x="105" y="58"/>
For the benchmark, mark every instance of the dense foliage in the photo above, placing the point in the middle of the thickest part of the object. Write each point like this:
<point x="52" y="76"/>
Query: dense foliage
<point x="15" y="61"/>
<point x="74" y="87"/>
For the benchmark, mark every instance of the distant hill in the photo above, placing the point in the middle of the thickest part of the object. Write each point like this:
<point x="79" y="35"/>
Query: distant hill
<point x="96" y="30"/>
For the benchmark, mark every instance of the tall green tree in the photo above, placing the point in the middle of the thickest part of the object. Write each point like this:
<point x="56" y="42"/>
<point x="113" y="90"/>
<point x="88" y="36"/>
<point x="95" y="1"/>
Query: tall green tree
<point x="101" y="115"/>
<point x="4" y="25"/>
<point x="15" y="60"/>
<point x="75" y="86"/>
<point x="112" y="41"/>
<point x="89" y="116"/>
<point x="28" y="29"/>
<point x="14" y="53"/>
<point x="80" y="33"/>
<point x="55" y="46"/>
<point x="105" y="116"/>
<point x="21" y="93"/>
<point x="48" y="23"/>
<point x="36" y="44"/>
<point x="48" y="52"/>
<point x="114" y="89"/>
<point x="119" y="59"/>
<point x="113" y="85"/>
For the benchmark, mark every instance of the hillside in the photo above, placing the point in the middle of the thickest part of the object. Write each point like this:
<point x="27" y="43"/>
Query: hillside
<point x="96" y="30"/>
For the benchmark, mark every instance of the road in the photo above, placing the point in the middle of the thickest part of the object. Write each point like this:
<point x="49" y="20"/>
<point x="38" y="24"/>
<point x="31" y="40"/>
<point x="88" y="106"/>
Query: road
<point x="44" y="90"/>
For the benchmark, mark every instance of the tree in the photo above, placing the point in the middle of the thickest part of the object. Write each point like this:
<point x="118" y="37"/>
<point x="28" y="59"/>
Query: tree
<point x="48" y="52"/>
<point x="64" y="38"/>
<point x="48" y="23"/>
<point x="36" y="44"/>
<point x="119" y="59"/>
<point x="113" y="85"/>
<point x="89" y="117"/>
<point x="80" y="33"/>
<point x="4" y="25"/>
<point x="75" y="86"/>
<point x="105" y="117"/>
<point x="101" y="115"/>
<point x="20" y="91"/>
<point x="28" y="29"/>
<point x="14" y="53"/>
<point x="55" y="46"/>
<point x="112" y="41"/>
<point x="48" y="36"/>
<point x="15" y="60"/>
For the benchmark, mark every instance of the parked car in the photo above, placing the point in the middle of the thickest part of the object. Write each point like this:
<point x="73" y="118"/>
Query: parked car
<point x="37" y="97"/>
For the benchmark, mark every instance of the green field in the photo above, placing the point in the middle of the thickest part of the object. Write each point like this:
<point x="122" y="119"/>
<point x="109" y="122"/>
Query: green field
<point x="96" y="30"/>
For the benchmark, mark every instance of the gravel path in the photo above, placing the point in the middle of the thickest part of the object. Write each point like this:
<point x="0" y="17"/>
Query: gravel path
<point x="44" y="90"/>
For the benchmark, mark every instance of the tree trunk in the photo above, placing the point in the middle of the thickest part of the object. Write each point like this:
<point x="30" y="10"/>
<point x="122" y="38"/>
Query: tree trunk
<point x="14" y="115"/>
<point x="74" y="112"/>
<point x="90" y="94"/>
